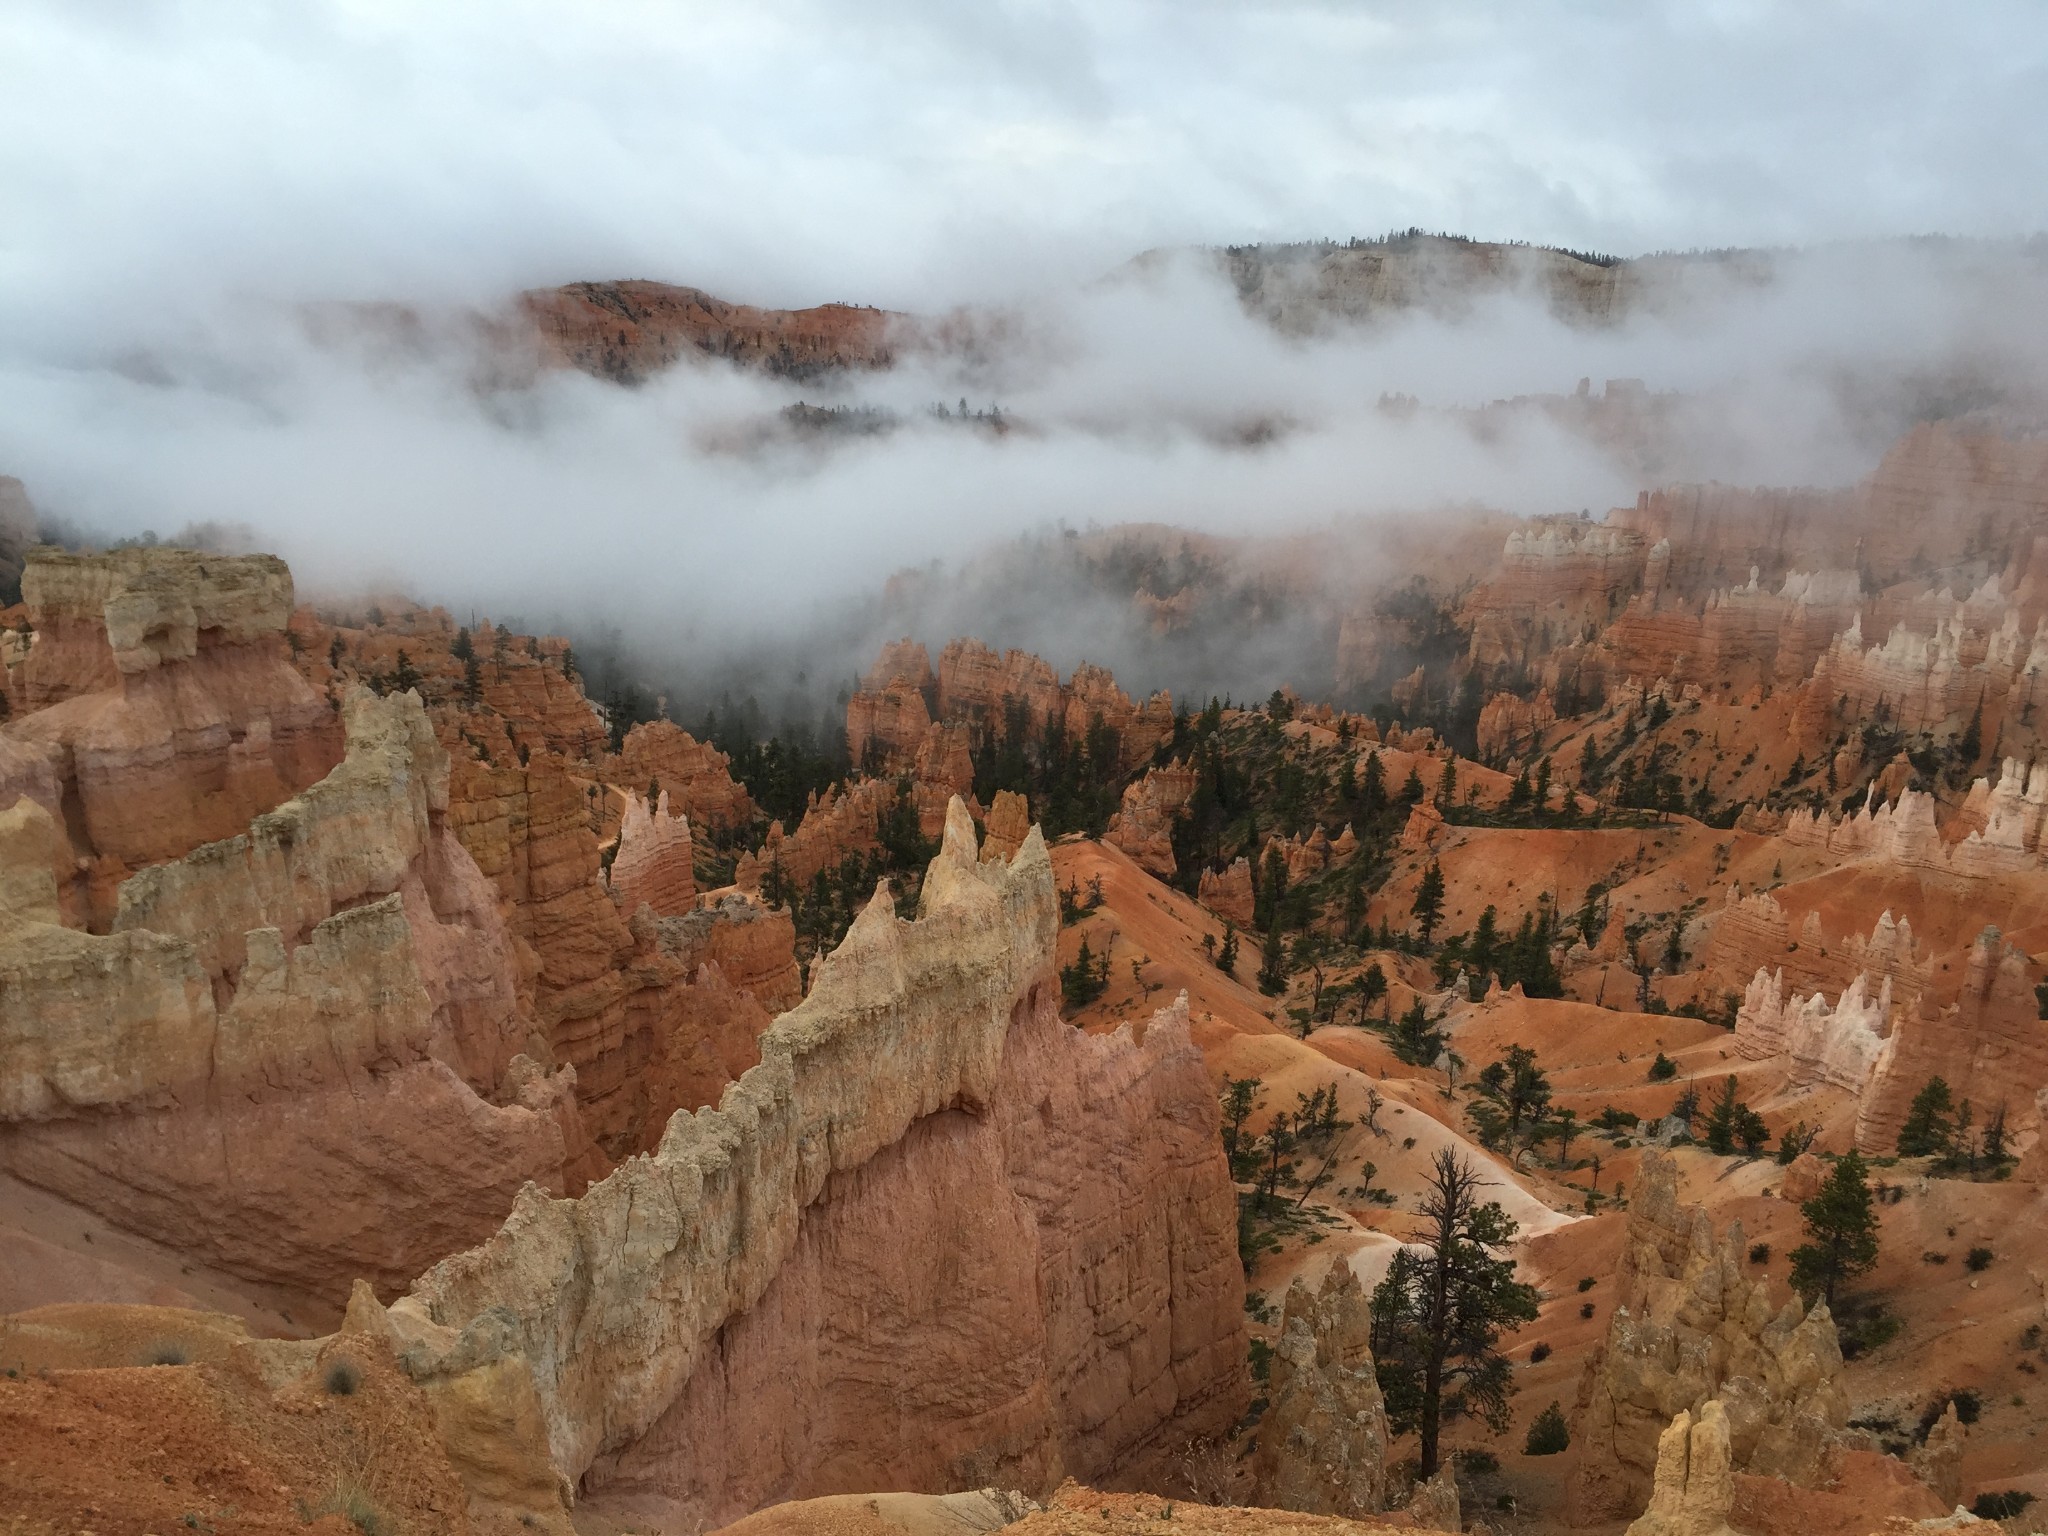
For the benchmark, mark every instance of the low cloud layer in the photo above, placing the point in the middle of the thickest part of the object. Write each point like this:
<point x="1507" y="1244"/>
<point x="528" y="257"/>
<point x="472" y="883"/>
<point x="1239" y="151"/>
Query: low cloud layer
<point x="184" y="177"/>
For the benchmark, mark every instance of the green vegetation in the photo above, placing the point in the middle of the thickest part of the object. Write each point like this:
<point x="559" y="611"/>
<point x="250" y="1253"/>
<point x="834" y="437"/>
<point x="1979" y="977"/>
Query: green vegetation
<point x="1548" y="1434"/>
<point x="1438" y="1316"/>
<point x="1841" y="1232"/>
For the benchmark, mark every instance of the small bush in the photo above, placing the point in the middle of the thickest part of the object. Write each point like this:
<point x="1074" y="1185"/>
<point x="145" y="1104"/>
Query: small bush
<point x="165" y="1352"/>
<point x="1978" y="1260"/>
<point x="1539" y="1354"/>
<point x="1548" y="1435"/>
<point x="1931" y="1257"/>
<point x="2001" y="1506"/>
<point x="343" y="1377"/>
<point x="1968" y="1405"/>
<point x="1865" y="1329"/>
<point x="1586" y="1310"/>
<point x="1478" y="1462"/>
<point x="1759" y="1253"/>
<point x="1587" y="1283"/>
<point x="1663" y="1069"/>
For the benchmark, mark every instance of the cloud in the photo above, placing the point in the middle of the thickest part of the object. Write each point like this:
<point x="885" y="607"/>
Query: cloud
<point x="180" y="175"/>
<point x="914" y="152"/>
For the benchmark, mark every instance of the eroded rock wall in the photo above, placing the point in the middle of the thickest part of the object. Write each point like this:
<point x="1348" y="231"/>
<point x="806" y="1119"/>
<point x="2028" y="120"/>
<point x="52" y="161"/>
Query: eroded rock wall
<point x="757" y="1276"/>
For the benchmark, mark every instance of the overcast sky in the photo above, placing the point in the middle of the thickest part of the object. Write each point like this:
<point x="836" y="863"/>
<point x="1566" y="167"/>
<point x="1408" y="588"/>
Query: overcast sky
<point x="174" y="175"/>
<point x="908" y="152"/>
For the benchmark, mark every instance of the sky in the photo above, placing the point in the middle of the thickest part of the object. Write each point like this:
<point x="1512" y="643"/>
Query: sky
<point x="176" y="177"/>
<point x="913" y="152"/>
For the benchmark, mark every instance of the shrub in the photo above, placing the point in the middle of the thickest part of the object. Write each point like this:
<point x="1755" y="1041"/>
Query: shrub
<point x="1759" y="1253"/>
<point x="1587" y="1283"/>
<point x="1548" y="1435"/>
<point x="1539" y="1354"/>
<point x="1977" y="1260"/>
<point x="1478" y="1462"/>
<point x="1931" y="1257"/>
<point x="343" y="1377"/>
<point x="165" y="1352"/>
<point x="1586" y="1310"/>
<point x="1863" y="1329"/>
<point x="2001" y="1506"/>
<point x="1663" y="1069"/>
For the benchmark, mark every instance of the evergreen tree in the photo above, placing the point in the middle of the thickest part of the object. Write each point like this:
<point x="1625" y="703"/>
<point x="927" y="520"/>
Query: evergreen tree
<point x="1240" y="1096"/>
<point x="1724" y="1120"/>
<point x="1372" y="788"/>
<point x="1226" y="957"/>
<point x="1447" y="786"/>
<point x="1549" y="1434"/>
<point x="1439" y="1314"/>
<point x="1272" y="962"/>
<point x="1429" y="900"/>
<point x="1514" y="1097"/>
<point x="462" y="648"/>
<point x="1411" y="788"/>
<point x="1414" y="1037"/>
<point x="1841" y="1232"/>
<point x="1928" y="1129"/>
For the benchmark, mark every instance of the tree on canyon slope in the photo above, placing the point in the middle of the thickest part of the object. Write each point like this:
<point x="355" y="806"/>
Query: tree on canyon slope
<point x="1429" y="900"/>
<point x="1438" y="1316"/>
<point x="1841" y="1232"/>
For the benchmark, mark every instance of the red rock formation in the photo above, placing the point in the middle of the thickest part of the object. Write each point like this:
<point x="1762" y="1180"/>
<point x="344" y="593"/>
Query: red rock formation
<point x="697" y="774"/>
<point x="323" y="1003"/>
<point x="1694" y="1324"/>
<point x="1559" y="579"/>
<point x="904" y="661"/>
<point x="1143" y="826"/>
<point x="1229" y="893"/>
<point x="653" y="864"/>
<point x="1988" y="1045"/>
<point x="630" y="331"/>
<point x="173" y="714"/>
<point x="1009" y="823"/>
<point x="886" y="728"/>
<point x="836" y="824"/>
<point x="977" y="686"/>
<point x="887" y="1262"/>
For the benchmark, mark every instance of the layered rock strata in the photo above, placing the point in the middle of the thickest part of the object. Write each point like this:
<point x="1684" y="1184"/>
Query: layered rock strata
<point x="1694" y="1324"/>
<point x="752" y="1281"/>
<point x="1322" y="1446"/>
<point x="322" y="1003"/>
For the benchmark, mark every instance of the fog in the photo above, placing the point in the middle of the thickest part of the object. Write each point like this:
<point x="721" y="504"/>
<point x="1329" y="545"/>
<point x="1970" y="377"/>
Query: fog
<point x="185" y="180"/>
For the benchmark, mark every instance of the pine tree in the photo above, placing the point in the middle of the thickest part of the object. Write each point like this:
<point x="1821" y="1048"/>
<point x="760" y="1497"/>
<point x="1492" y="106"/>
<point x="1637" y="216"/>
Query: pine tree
<point x="1240" y="1096"/>
<point x="1447" y="786"/>
<point x="1549" y="1434"/>
<point x="1226" y="957"/>
<point x="1429" y="900"/>
<point x="1841" y="1232"/>
<point x="1724" y="1120"/>
<point x="1372" y="788"/>
<point x="1928" y="1129"/>
<point x="1439" y="1314"/>
<point x="1272" y="963"/>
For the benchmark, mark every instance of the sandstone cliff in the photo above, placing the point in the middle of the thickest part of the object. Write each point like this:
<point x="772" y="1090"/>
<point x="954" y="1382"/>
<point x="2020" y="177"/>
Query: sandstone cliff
<point x="1323" y="1440"/>
<point x="696" y="1299"/>
<point x="1693" y="1324"/>
<point x="322" y="1003"/>
<point x="165" y="709"/>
